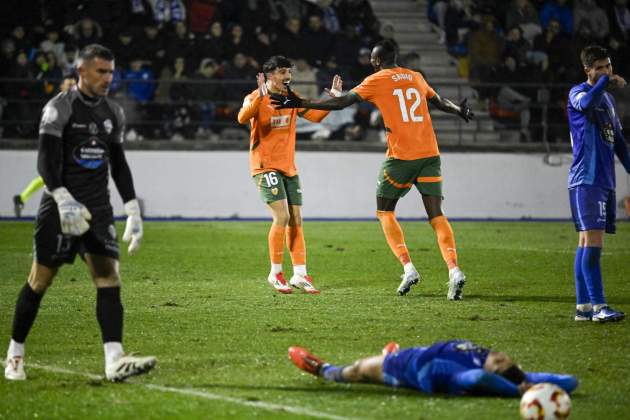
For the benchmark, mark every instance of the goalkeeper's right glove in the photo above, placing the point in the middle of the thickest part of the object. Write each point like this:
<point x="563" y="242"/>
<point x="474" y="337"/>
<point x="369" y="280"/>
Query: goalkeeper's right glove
<point x="73" y="215"/>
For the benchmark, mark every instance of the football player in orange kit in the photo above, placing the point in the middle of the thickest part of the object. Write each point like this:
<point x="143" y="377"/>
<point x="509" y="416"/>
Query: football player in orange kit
<point x="413" y="158"/>
<point x="272" y="164"/>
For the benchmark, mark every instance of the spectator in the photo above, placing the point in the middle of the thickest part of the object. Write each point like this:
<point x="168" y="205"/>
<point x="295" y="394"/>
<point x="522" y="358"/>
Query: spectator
<point x="180" y="43"/>
<point x="167" y="12"/>
<point x="304" y="79"/>
<point x="560" y="11"/>
<point x="7" y="56"/>
<point x="358" y="14"/>
<point x="19" y="94"/>
<point x="261" y="48"/>
<point x="329" y="16"/>
<point x="457" y="25"/>
<point x="516" y="46"/>
<point x="437" y="14"/>
<point x="125" y="48"/>
<point x="151" y="47"/>
<point x="87" y="32"/>
<point x="318" y="39"/>
<point x="207" y="93"/>
<point x="53" y="43"/>
<point x="523" y="14"/>
<point x="235" y="42"/>
<point x="68" y="60"/>
<point x="619" y="39"/>
<point x="386" y="32"/>
<point x="511" y="97"/>
<point x="211" y="44"/>
<point x="361" y="69"/>
<point x="346" y="49"/>
<point x="484" y="53"/>
<point x="21" y="40"/>
<point x="241" y="76"/>
<point x="290" y="42"/>
<point x="589" y="11"/>
<point x="140" y="81"/>
<point x="53" y="75"/>
<point x="412" y="60"/>
<point x="558" y="49"/>
<point x="178" y="120"/>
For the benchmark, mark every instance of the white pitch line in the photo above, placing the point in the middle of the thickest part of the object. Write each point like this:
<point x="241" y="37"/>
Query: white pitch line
<point x="205" y="395"/>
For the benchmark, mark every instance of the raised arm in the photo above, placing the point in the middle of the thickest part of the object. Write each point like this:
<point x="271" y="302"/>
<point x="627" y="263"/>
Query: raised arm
<point x="445" y="105"/>
<point x="291" y="100"/>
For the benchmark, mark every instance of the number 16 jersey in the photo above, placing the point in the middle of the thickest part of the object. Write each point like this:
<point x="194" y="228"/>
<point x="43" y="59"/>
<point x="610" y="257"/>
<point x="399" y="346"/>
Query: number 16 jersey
<point x="401" y="96"/>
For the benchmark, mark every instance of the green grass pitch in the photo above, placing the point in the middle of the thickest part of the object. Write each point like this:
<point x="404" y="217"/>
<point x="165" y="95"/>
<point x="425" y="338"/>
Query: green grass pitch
<point x="196" y="297"/>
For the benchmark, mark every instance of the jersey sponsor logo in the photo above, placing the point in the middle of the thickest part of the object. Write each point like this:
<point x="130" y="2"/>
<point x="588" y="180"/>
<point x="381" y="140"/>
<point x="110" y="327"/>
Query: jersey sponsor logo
<point x="108" y="125"/>
<point x="90" y="154"/>
<point x="76" y="125"/>
<point x="280" y="121"/>
<point x="608" y="133"/>
<point x="401" y="76"/>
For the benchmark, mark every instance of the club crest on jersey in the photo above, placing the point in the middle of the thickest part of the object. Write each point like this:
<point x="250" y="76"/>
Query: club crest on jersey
<point x="279" y="121"/>
<point x="608" y="133"/>
<point x="93" y="128"/>
<point x="107" y="124"/>
<point x="274" y="191"/>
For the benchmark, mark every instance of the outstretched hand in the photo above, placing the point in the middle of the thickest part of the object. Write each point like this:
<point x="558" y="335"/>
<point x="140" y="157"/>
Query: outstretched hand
<point x="465" y="112"/>
<point x="336" y="88"/>
<point x="290" y="100"/>
<point x="262" y="84"/>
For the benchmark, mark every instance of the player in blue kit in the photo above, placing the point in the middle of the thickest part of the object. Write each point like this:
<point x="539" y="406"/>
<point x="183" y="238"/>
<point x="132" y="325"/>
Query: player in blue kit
<point x="455" y="367"/>
<point x="596" y="136"/>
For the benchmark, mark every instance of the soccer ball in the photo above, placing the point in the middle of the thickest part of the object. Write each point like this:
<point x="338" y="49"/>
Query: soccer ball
<point x="545" y="402"/>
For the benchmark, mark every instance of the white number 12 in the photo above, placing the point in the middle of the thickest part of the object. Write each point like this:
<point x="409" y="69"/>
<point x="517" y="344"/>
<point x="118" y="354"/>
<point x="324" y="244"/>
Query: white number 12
<point x="410" y="93"/>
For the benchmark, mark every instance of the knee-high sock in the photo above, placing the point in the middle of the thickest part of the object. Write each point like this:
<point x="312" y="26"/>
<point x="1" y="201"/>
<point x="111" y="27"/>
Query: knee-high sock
<point x="276" y="243"/>
<point x="446" y="240"/>
<point x="35" y="185"/>
<point x="593" y="274"/>
<point x="394" y="235"/>
<point x="26" y="309"/>
<point x="332" y="373"/>
<point x="109" y="313"/>
<point x="581" y="292"/>
<point x="296" y="244"/>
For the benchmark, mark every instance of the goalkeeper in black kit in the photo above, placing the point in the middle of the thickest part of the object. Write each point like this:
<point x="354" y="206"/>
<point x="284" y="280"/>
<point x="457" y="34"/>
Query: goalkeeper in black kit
<point x="80" y="142"/>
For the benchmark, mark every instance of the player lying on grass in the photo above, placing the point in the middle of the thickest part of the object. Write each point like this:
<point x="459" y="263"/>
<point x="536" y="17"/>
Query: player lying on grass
<point x="455" y="367"/>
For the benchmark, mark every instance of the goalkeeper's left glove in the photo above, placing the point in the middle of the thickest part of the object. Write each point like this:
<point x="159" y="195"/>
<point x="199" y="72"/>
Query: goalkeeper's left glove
<point x="465" y="112"/>
<point x="133" y="228"/>
<point x="291" y="100"/>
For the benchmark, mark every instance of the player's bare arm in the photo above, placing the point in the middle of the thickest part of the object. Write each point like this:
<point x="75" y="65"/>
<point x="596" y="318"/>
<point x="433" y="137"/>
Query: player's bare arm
<point x="291" y="100"/>
<point x="449" y="107"/>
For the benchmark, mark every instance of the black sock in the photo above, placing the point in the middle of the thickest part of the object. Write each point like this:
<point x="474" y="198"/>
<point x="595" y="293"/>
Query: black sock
<point x="26" y="309"/>
<point x="109" y="313"/>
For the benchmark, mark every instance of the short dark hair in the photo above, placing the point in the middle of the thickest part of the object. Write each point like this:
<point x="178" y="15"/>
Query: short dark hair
<point x="591" y="54"/>
<point x="92" y="51"/>
<point x="388" y="52"/>
<point x="276" y="62"/>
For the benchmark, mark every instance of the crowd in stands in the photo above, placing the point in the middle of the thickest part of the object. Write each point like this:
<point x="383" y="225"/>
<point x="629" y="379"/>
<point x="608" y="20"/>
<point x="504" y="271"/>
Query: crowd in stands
<point x="509" y="42"/>
<point x="165" y="49"/>
<point x="184" y="66"/>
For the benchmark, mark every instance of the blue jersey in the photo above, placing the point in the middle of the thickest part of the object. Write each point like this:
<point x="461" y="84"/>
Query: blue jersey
<point x="595" y="129"/>
<point x="429" y="369"/>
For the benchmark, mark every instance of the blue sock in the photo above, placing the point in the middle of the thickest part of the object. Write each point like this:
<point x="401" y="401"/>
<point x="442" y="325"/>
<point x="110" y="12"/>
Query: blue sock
<point x="593" y="274"/>
<point x="581" y="293"/>
<point x="332" y="373"/>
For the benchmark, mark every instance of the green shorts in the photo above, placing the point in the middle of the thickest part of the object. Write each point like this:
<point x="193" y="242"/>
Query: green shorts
<point x="398" y="176"/>
<point x="274" y="186"/>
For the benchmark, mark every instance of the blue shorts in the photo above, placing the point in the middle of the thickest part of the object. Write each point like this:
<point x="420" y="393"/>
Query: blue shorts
<point x="399" y="368"/>
<point x="593" y="208"/>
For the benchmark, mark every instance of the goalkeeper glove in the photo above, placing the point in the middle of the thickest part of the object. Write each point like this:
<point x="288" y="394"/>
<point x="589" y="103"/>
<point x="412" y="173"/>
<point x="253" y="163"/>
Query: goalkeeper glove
<point x="73" y="215"/>
<point x="133" y="227"/>
<point x="291" y="100"/>
<point x="464" y="111"/>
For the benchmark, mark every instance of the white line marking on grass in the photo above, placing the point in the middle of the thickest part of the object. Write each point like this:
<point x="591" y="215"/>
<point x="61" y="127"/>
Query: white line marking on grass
<point x="205" y="395"/>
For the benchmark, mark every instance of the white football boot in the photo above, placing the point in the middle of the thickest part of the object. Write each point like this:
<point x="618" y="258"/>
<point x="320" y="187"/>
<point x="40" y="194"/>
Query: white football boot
<point x="278" y="282"/>
<point x="127" y="366"/>
<point x="303" y="282"/>
<point x="408" y="279"/>
<point x="456" y="282"/>
<point x="14" y="368"/>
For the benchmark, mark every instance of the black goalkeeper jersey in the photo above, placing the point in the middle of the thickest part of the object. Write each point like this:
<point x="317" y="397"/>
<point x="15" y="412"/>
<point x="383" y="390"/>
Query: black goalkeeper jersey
<point x="87" y="130"/>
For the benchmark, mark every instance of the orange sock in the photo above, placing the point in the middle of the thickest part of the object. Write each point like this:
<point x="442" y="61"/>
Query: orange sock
<point x="394" y="235"/>
<point x="296" y="244"/>
<point x="276" y="243"/>
<point x="446" y="240"/>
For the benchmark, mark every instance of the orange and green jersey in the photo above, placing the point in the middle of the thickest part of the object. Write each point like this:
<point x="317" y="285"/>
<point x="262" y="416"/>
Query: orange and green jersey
<point x="401" y="96"/>
<point x="272" y="133"/>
